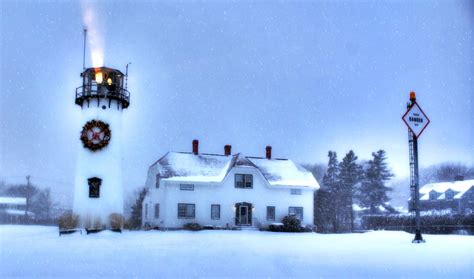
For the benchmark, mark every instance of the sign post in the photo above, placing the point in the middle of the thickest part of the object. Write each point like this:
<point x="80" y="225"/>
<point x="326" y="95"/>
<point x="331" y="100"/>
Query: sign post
<point x="417" y="121"/>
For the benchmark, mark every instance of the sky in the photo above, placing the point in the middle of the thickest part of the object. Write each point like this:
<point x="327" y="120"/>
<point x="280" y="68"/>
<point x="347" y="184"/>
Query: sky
<point x="305" y="77"/>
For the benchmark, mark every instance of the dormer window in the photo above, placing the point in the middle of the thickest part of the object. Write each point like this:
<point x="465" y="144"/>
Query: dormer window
<point x="433" y="195"/>
<point x="449" y="195"/>
<point x="243" y="181"/>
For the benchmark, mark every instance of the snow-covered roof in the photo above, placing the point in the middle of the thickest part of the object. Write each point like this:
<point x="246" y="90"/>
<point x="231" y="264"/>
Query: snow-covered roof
<point x="18" y="212"/>
<point x="284" y="172"/>
<point x="13" y="200"/>
<point x="212" y="168"/>
<point x="357" y="207"/>
<point x="184" y="166"/>
<point x="459" y="187"/>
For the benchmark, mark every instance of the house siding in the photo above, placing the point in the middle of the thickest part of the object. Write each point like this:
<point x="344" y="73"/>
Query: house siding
<point x="466" y="204"/>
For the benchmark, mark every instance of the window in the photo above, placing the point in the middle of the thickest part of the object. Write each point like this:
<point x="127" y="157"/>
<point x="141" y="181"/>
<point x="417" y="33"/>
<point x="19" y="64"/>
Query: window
<point x="186" y="187"/>
<point x="157" y="210"/>
<point x="215" y="211"/>
<point x="296" y="211"/>
<point x="449" y="195"/>
<point x="433" y="195"/>
<point x="243" y="181"/>
<point x="270" y="213"/>
<point x="472" y="196"/>
<point x="186" y="210"/>
<point x="248" y="181"/>
<point x="157" y="183"/>
<point x="94" y="187"/>
<point x="146" y="211"/>
<point x="295" y="191"/>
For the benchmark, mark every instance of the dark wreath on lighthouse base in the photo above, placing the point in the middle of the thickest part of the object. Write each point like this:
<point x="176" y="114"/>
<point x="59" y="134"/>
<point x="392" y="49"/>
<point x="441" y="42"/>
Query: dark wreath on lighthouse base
<point x="95" y="135"/>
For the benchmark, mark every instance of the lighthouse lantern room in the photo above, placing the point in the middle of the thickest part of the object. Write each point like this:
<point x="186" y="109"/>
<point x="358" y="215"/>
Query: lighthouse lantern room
<point x="98" y="193"/>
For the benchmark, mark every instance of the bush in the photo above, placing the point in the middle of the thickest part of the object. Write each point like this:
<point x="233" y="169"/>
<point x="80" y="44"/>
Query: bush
<point x="116" y="221"/>
<point x="91" y="223"/>
<point x="192" y="227"/>
<point x="308" y="228"/>
<point x="68" y="221"/>
<point x="291" y="224"/>
<point x="276" y="227"/>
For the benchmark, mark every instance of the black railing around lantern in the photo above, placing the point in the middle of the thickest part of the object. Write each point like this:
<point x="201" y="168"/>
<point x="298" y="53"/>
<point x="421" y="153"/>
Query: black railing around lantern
<point x="86" y="93"/>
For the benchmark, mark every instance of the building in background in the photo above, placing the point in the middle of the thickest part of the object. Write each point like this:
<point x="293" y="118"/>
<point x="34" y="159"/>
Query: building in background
<point x="226" y="190"/>
<point x="457" y="196"/>
<point x="13" y="210"/>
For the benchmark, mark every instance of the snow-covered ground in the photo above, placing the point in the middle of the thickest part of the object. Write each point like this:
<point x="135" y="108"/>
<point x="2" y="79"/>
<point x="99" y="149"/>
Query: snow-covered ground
<point x="36" y="251"/>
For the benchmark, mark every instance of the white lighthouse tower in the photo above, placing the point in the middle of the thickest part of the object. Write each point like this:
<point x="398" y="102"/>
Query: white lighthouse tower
<point x="98" y="189"/>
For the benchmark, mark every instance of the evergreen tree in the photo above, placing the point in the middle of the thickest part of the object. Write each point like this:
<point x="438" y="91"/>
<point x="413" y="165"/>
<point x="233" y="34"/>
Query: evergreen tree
<point x="323" y="209"/>
<point x="135" y="220"/>
<point x="373" y="190"/>
<point x="331" y="192"/>
<point x="350" y="174"/>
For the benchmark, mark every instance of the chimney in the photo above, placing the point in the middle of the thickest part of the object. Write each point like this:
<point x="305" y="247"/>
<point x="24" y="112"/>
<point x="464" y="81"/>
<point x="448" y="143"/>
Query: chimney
<point x="227" y="149"/>
<point x="459" y="178"/>
<point x="195" y="147"/>
<point x="268" y="150"/>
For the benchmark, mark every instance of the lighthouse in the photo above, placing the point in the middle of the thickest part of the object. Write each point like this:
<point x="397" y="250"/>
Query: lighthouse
<point x="98" y="191"/>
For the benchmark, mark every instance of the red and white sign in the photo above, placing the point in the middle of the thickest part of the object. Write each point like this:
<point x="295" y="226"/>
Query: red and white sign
<point x="416" y="120"/>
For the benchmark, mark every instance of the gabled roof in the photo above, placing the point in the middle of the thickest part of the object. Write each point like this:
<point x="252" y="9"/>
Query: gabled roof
<point x="284" y="172"/>
<point x="185" y="166"/>
<point x="212" y="168"/>
<point x="459" y="187"/>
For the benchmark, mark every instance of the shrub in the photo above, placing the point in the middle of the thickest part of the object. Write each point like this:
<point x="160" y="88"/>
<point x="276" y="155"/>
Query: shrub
<point x="192" y="227"/>
<point x="275" y="227"/>
<point x="291" y="224"/>
<point x="68" y="221"/>
<point x="98" y="224"/>
<point x="308" y="228"/>
<point x="116" y="221"/>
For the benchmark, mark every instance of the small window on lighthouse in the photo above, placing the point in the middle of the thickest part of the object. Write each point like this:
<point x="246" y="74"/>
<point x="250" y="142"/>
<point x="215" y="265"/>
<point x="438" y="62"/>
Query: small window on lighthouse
<point x="94" y="187"/>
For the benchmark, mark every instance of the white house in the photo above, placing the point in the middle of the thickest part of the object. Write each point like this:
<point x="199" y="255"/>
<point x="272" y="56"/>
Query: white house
<point x="226" y="190"/>
<point x="457" y="195"/>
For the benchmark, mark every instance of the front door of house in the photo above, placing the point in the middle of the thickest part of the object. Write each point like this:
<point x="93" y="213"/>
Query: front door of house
<point x="244" y="215"/>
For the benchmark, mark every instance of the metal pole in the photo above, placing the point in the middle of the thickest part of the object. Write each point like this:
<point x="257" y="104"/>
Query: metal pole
<point x="414" y="179"/>
<point x="126" y="75"/>
<point x="84" y="50"/>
